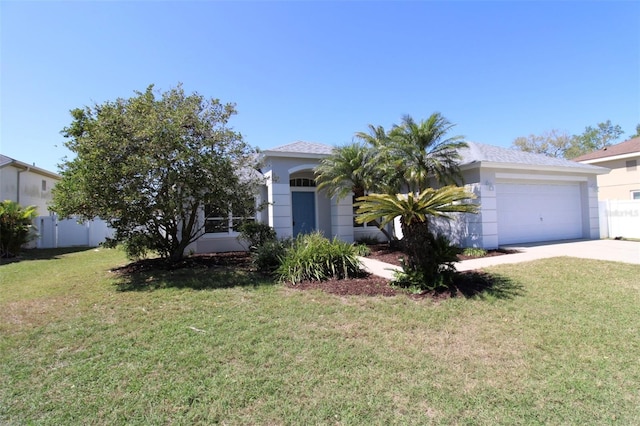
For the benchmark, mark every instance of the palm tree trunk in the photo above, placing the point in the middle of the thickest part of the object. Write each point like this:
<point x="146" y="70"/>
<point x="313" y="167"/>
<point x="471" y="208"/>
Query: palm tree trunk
<point x="417" y="246"/>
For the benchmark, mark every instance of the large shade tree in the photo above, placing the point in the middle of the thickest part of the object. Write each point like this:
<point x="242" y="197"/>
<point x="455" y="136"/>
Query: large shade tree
<point x="150" y="163"/>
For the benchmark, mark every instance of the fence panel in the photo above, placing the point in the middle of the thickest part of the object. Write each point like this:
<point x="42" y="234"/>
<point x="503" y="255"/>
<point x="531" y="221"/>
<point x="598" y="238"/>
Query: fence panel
<point x="619" y="218"/>
<point x="56" y="233"/>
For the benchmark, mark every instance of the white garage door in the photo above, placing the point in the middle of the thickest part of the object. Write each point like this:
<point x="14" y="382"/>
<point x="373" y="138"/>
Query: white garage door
<point x="538" y="212"/>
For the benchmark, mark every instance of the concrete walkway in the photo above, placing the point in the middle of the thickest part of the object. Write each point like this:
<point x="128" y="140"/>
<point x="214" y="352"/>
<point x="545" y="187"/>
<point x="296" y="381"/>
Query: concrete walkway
<point x="613" y="250"/>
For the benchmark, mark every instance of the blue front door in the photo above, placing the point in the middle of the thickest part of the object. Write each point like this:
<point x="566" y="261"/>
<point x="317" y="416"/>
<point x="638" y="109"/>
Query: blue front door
<point x="303" y="210"/>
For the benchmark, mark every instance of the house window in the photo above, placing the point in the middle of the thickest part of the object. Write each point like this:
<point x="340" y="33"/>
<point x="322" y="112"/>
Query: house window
<point x="632" y="165"/>
<point x="355" y="223"/>
<point x="216" y="222"/>
<point x="44" y="185"/>
<point x="302" y="182"/>
<point x="635" y="195"/>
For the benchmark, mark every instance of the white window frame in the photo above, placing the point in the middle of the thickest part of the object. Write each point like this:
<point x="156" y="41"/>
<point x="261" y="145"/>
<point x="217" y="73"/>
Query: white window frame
<point x="231" y="223"/>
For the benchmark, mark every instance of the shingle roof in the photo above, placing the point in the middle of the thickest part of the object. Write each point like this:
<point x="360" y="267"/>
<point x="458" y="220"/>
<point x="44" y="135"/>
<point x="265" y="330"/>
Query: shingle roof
<point x="4" y="160"/>
<point x="627" y="147"/>
<point x="478" y="152"/>
<point x="302" y="147"/>
<point x="475" y="153"/>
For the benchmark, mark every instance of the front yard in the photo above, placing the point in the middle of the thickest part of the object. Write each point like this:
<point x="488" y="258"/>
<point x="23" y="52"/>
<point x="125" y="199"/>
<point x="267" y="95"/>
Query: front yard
<point x="557" y="343"/>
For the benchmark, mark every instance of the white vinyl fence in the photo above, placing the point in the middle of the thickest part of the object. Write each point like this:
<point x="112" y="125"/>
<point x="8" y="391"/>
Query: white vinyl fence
<point x="54" y="233"/>
<point x="619" y="218"/>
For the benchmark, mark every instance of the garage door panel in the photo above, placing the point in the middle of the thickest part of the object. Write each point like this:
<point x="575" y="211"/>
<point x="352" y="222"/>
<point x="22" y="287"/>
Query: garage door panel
<point x="538" y="212"/>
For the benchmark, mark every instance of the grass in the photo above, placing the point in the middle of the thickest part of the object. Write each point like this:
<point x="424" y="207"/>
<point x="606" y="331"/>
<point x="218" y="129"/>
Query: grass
<point x="205" y="346"/>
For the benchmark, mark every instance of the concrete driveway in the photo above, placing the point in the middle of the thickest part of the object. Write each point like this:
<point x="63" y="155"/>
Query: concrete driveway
<point x="614" y="250"/>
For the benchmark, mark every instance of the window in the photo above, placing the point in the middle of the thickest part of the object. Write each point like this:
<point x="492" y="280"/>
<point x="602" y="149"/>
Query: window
<point x="44" y="185"/>
<point x="632" y="165"/>
<point x="635" y="195"/>
<point x="302" y="182"/>
<point x="355" y="223"/>
<point x="216" y="222"/>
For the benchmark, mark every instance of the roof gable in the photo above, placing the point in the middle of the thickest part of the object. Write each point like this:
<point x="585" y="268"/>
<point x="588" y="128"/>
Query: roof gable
<point x="632" y="146"/>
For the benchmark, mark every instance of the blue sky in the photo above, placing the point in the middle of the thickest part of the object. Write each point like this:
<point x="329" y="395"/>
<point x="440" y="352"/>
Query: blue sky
<point x="321" y="71"/>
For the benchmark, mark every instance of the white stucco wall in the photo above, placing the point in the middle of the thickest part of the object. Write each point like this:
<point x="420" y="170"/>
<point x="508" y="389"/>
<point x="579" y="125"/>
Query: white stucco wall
<point x="26" y="188"/>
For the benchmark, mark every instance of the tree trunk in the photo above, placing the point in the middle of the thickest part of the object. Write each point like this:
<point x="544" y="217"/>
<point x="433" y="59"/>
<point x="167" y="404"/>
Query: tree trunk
<point x="417" y="246"/>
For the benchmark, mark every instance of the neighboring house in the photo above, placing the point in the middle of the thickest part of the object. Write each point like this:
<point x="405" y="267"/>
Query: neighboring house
<point x="623" y="182"/>
<point x="524" y="197"/>
<point x="26" y="184"/>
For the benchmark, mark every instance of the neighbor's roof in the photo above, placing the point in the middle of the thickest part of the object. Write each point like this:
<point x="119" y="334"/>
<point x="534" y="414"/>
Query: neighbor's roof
<point x="8" y="161"/>
<point x="300" y="149"/>
<point x="501" y="157"/>
<point x="632" y="146"/>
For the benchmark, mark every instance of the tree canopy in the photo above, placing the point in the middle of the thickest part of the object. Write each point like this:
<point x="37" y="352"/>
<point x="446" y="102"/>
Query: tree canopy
<point x="148" y="165"/>
<point x="556" y="143"/>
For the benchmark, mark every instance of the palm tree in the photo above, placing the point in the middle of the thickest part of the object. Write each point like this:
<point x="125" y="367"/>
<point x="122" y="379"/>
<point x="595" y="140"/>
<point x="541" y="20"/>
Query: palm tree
<point x="349" y="169"/>
<point x="424" y="151"/>
<point x="352" y="169"/>
<point x="415" y="212"/>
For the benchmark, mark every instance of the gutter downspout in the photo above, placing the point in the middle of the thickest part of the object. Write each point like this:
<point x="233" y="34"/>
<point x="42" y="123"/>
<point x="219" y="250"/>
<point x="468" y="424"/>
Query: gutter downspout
<point x="18" y="183"/>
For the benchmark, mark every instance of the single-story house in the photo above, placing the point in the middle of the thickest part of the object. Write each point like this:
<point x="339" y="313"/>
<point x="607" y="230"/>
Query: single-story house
<point x="623" y="182"/>
<point x="523" y="197"/>
<point x="26" y="184"/>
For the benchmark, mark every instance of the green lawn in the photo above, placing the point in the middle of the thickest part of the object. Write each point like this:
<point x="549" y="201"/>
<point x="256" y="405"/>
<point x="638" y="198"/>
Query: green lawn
<point x="560" y="345"/>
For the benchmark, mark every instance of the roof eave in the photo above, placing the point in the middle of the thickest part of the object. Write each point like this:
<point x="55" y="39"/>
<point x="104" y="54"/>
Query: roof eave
<point x="29" y="167"/>
<point x="533" y="167"/>
<point x="286" y="154"/>
<point x="611" y="158"/>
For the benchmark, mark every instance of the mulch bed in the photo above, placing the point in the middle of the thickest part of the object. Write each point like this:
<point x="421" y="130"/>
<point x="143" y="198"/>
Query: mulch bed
<point x="384" y="253"/>
<point x="365" y="285"/>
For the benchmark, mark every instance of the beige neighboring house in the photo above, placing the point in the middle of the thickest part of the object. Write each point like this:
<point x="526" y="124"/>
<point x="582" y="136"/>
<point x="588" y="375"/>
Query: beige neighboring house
<point x="26" y="184"/>
<point x="623" y="182"/>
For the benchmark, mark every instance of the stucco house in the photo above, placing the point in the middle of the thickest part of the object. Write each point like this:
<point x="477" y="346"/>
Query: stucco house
<point x="523" y="197"/>
<point x="26" y="184"/>
<point x="623" y="182"/>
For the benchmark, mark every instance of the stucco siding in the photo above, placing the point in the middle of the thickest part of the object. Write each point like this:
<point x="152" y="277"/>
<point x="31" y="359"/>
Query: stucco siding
<point x="620" y="181"/>
<point x="26" y="188"/>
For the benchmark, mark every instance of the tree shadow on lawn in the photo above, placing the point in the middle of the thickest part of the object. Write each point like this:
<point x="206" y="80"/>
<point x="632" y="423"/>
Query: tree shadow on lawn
<point x="44" y="254"/>
<point x="204" y="272"/>
<point x="481" y="284"/>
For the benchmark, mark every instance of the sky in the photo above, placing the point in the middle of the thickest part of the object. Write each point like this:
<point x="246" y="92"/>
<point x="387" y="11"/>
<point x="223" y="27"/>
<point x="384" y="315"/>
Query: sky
<point x="320" y="71"/>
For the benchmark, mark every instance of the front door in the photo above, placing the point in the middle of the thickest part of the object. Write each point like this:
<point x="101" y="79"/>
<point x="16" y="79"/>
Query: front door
<point x="303" y="210"/>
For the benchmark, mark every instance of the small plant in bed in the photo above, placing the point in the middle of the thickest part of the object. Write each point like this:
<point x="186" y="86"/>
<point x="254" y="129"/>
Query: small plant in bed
<point x="315" y="258"/>
<point x="474" y="252"/>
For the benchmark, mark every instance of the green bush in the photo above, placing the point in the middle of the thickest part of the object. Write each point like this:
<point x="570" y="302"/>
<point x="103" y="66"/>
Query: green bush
<point x="16" y="227"/>
<point x="362" y="250"/>
<point x="266" y="258"/>
<point x="313" y="257"/>
<point x="436" y="269"/>
<point x="256" y="234"/>
<point x="474" y="252"/>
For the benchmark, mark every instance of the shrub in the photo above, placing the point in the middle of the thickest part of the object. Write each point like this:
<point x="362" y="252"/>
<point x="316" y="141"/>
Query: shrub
<point x="474" y="252"/>
<point x="314" y="257"/>
<point x="362" y="250"/>
<point x="266" y="258"/>
<point x="435" y="270"/>
<point x="256" y="234"/>
<point x="16" y="227"/>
